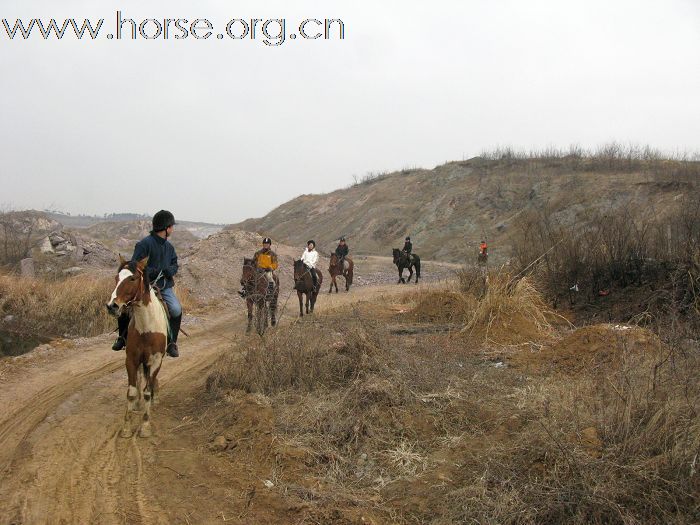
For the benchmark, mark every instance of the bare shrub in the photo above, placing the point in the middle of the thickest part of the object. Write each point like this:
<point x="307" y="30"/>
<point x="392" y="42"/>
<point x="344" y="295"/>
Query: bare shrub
<point x="16" y="238"/>
<point x="610" y="157"/>
<point x="616" y="250"/>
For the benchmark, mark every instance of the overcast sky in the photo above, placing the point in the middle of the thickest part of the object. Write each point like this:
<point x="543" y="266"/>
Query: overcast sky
<point x="222" y="130"/>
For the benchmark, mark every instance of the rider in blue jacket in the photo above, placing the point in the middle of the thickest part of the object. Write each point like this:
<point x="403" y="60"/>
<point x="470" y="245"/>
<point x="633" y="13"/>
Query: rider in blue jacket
<point x="162" y="267"/>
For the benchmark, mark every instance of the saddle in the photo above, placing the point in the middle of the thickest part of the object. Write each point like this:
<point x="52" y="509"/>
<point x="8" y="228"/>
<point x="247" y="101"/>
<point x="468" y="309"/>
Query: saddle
<point x="162" y="301"/>
<point x="345" y="263"/>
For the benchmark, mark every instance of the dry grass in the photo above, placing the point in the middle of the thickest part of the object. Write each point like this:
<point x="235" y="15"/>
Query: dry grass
<point x="190" y="303"/>
<point x="74" y="305"/>
<point x="421" y="429"/>
<point x="299" y="359"/>
<point x="617" y="447"/>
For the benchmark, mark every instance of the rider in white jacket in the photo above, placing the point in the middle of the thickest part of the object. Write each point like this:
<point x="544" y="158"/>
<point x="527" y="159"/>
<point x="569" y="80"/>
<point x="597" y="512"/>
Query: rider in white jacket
<point x="310" y="259"/>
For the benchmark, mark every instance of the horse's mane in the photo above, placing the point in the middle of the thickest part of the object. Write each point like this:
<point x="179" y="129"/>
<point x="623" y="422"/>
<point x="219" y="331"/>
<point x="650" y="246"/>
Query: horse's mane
<point x="122" y="266"/>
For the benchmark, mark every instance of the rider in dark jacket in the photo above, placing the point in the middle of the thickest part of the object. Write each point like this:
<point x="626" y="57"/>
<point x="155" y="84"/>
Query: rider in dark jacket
<point x="162" y="267"/>
<point x="342" y="250"/>
<point x="407" y="247"/>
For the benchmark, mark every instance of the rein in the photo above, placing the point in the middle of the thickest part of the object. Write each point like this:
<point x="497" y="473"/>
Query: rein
<point x="139" y="293"/>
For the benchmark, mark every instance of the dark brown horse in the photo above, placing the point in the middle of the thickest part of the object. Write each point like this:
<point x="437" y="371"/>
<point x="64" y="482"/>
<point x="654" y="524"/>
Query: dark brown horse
<point x="338" y="267"/>
<point x="147" y="339"/>
<point x="257" y="294"/>
<point x="304" y="285"/>
<point x="404" y="261"/>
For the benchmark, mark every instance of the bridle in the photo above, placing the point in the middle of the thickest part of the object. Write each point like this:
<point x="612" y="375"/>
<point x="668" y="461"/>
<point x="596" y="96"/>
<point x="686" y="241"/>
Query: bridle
<point x="139" y="292"/>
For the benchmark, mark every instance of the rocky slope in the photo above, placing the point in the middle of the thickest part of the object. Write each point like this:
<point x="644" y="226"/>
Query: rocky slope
<point x="449" y="209"/>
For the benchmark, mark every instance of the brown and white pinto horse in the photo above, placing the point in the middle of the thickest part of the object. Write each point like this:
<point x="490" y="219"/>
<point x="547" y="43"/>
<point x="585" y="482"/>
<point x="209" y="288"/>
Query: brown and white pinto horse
<point x="146" y="341"/>
<point x="336" y="268"/>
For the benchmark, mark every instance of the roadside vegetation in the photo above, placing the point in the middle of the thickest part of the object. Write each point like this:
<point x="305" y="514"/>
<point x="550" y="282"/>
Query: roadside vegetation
<point x="55" y="307"/>
<point x="476" y="403"/>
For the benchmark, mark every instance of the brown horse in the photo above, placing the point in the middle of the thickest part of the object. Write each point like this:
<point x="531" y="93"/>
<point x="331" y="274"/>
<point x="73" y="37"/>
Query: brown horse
<point x="304" y="285"/>
<point x="147" y="339"/>
<point x="336" y="268"/>
<point x="257" y="294"/>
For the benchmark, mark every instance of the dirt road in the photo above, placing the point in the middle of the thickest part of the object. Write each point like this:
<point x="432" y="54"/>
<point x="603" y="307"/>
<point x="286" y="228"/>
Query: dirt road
<point x="62" y="460"/>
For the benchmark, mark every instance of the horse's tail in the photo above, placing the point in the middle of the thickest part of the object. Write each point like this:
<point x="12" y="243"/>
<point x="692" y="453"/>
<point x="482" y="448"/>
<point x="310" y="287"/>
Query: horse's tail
<point x="417" y="265"/>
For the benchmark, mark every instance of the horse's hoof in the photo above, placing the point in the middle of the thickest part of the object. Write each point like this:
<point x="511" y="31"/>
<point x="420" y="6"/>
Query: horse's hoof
<point x="126" y="433"/>
<point x="145" y="432"/>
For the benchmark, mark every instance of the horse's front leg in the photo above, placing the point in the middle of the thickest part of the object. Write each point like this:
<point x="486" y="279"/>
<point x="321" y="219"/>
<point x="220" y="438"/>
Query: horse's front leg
<point x="249" y="305"/>
<point x="151" y="371"/>
<point x="400" y="275"/>
<point x="308" y="302"/>
<point x="273" y="310"/>
<point x="132" y="394"/>
<point x="410" y="273"/>
<point x="301" y="304"/>
<point x="330" y="290"/>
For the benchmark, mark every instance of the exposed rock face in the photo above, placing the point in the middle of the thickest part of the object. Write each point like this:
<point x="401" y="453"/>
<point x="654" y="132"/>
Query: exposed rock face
<point x="75" y="249"/>
<point x="447" y="211"/>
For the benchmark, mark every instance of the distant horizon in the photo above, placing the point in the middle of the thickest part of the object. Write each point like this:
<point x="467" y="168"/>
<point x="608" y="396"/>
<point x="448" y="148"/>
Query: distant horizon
<point x="533" y="153"/>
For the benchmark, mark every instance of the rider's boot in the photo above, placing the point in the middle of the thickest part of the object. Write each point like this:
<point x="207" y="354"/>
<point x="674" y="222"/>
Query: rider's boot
<point x="174" y="330"/>
<point x="123" y="324"/>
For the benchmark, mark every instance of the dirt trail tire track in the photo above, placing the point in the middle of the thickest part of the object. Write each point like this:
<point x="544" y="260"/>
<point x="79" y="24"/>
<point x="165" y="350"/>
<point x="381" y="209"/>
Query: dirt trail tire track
<point x="61" y="458"/>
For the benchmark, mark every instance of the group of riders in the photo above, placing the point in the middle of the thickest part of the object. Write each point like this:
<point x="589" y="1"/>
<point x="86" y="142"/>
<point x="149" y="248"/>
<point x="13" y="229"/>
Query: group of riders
<point x="163" y="266"/>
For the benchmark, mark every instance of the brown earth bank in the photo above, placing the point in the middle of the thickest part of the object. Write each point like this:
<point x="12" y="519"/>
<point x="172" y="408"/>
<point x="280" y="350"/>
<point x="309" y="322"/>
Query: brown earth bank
<point x="391" y="404"/>
<point x="449" y="209"/>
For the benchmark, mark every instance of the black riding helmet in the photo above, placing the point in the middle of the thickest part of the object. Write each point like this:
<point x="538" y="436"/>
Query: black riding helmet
<point x="408" y="238"/>
<point x="163" y="220"/>
<point x="267" y="240"/>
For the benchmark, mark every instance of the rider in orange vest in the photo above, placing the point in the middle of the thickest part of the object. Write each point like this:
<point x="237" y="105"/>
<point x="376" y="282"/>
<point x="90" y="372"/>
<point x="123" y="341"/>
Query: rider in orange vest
<point x="266" y="260"/>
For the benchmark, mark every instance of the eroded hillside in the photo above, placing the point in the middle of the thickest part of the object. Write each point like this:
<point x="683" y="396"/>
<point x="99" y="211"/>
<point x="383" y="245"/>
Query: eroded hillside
<point x="449" y="209"/>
